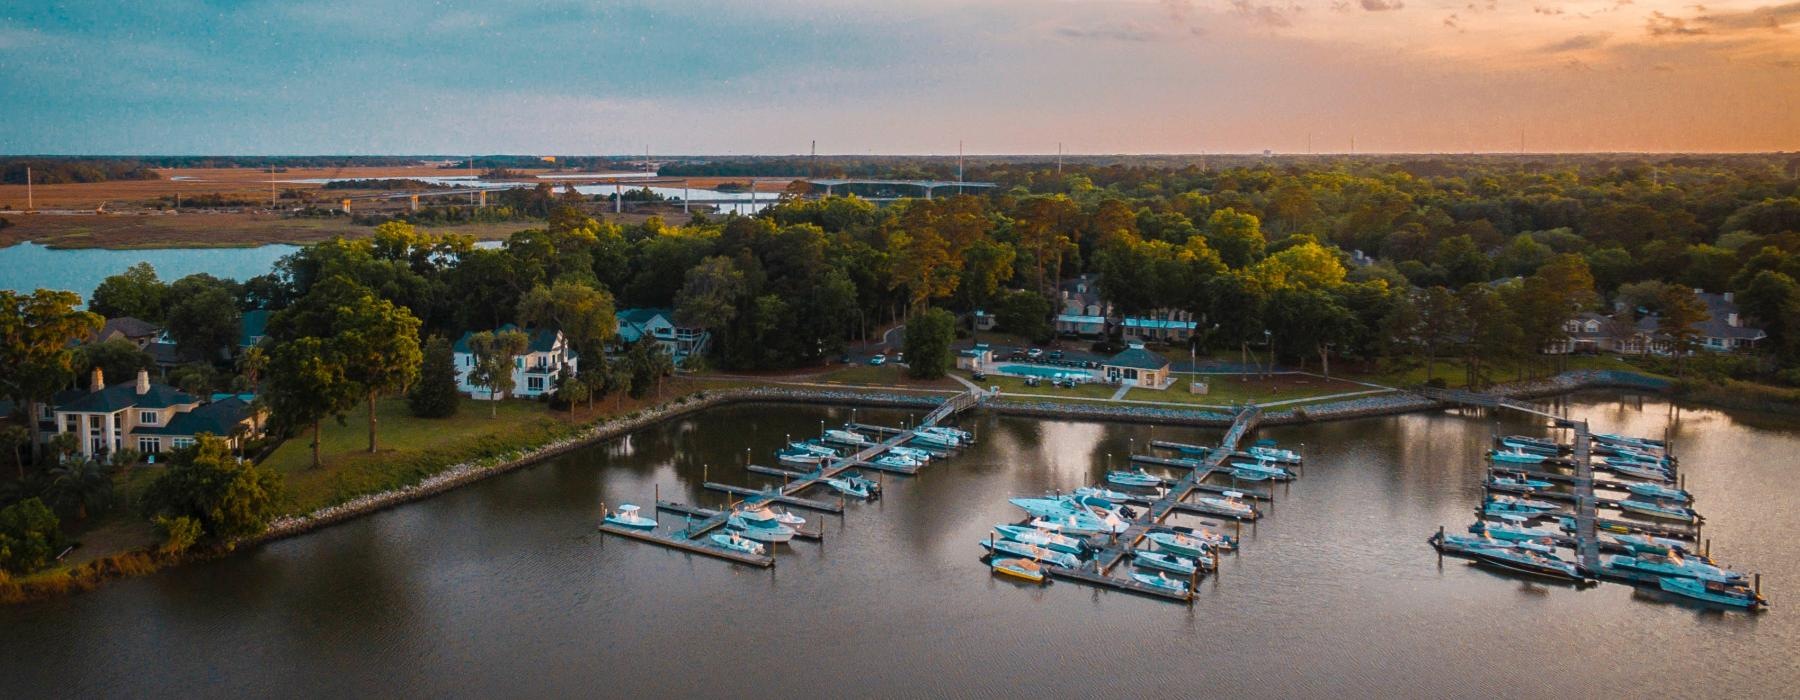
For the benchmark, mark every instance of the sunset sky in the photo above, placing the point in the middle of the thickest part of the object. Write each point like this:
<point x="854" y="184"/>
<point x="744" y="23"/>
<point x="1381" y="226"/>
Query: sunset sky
<point x="1008" y="76"/>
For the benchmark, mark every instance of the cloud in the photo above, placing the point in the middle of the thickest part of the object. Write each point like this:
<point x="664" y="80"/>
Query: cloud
<point x="1661" y="25"/>
<point x="1382" y="5"/>
<point x="1112" y="32"/>
<point x="1268" y="15"/>
<point x="1775" y="17"/>
<point x="1579" y="42"/>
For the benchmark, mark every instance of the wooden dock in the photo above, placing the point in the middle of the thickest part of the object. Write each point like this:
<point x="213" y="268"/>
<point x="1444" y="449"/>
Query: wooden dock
<point x="1111" y="550"/>
<point x="810" y="531"/>
<point x="689" y="545"/>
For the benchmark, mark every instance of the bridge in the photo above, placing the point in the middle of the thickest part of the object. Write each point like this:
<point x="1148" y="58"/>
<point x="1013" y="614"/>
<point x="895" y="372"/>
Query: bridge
<point x="927" y="185"/>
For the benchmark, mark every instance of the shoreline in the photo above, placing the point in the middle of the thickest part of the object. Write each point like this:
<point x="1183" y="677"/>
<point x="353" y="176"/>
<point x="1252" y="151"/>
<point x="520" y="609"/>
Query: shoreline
<point x="139" y="562"/>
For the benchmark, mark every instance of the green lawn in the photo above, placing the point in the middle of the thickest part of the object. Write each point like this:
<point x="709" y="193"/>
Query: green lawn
<point x="411" y="448"/>
<point x="1450" y="370"/>
<point x="1226" y="390"/>
<point x="890" y="374"/>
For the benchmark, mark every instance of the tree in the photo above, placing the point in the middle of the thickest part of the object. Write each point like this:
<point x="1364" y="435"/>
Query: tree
<point x="1026" y="313"/>
<point x="37" y="332"/>
<point x="307" y="384"/>
<point x="29" y="534"/>
<point x="648" y="362"/>
<point x="1772" y="299"/>
<point x="1442" y="321"/>
<point x="1237" y="236"/>
<point x="228" y="497"/>
<point x="136" y="292"/>
<point x="1681" y="311"/>
<point x="205" y="322"/>
<point x="435" y="394"/>
<point x="380" y="346"/>
<point x="986" y="265"/>
<point x="251" y="363"/>
<point x="928" y="338"/>
<point x="585" y="315"/>
<point x="80" y="486"/>
<point x="14" y="438"/>
<point x="1493" y="329"/>
<point x="571" y="390"/>
<point x="710" y="295"/>
<point x="494" y="352"/>
<point x="117" y="358"/>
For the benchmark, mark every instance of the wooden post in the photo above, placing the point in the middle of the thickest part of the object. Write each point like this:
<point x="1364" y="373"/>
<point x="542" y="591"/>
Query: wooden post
<point x="657" y="490"/>
<point x="1707" y="552"/>
<point x="703" y="478"/>
<point x="1440" y="544"/>
<point x="1757" y="583"/>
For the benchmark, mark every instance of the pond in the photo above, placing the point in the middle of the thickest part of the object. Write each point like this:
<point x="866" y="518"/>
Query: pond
<point x="28" y="266"/>
<point x="504" y="588"/>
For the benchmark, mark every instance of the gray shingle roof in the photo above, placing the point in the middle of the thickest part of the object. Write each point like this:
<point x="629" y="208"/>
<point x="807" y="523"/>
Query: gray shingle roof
<point x="220" y="417"/>
<point x="1138" y="358"/>
<point x="124" y="395"/>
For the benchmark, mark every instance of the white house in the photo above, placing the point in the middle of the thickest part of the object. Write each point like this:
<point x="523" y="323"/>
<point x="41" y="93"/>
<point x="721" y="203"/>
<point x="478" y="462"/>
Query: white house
<point x="678" y="341"/>
<point x="534" y="373"/>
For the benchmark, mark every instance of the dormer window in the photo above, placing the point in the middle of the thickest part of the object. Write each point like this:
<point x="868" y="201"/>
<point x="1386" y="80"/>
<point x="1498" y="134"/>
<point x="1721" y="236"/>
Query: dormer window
<point x="146" y="418"/>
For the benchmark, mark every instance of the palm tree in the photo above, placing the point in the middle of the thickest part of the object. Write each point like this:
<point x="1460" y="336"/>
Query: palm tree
<point x="82" y="486"/>
<point x="661" y="365"/>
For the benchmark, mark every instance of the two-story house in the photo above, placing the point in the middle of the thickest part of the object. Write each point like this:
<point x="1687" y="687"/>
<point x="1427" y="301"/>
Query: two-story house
<point x="1080" y="310"/>
<point x="678" y="341"/>
<point x="144" y="416"/>
<point x="534" y="373"/>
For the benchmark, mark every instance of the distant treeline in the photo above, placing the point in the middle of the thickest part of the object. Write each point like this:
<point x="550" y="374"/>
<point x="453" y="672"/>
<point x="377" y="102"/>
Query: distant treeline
<point x="392" y="183"/>
<point x="56" y="171"/>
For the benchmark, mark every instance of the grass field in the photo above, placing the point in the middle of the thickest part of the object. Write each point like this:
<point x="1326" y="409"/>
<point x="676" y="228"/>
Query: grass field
<point x="411" y="448"/>
<point x="1451" y="371"/>
<point x="1016" y="385"/>
<point x="889" y="375"/>
<point x="1225" y="390"/>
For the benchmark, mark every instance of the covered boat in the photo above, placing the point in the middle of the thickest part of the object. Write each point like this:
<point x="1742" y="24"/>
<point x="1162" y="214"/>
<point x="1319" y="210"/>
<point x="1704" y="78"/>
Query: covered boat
<point x="1653" y="545"/>
<point x="934" y="439"/>
<point x="760" y="530"/>
<point x="849" y="488"/>
<point x="1515" y="456"/>
<point x="1513" y="530"/>
<point x="1531" y="444"/>
<point x="1474" y="542"/>
<point x="1032" y="552"/>
<point x="1659" y="509"/>
<point x="731" y="541"/>
<point x="1162" y="581"/>
<point x="849" y="437"/>
<point x="1268" y="469"/>
<point x="1731" y="594"/>
<point x="1660" y="491"/>
<point x="1178" y="543"/>
<point x="1164" y="561"/>
<point x="1228" y="504"/>
<point x="629" y="516"/>
<point x="1266" y="449"/>
<point x="1516" y="482"/>
<point x="1673" y="564"/>
<point x="1530" y="562"/>
<point x="1020" y="569"/>
<point x="1103" y="493"/>
<point x="897" y="461"/>
<point x="1048" y="539"/>
<point x="1639" y="470"/>
<point x="802" y="458"/>
<point x="814" y="448"/>
<point x="1137" y="478"/>
<point x="918" y="455"/>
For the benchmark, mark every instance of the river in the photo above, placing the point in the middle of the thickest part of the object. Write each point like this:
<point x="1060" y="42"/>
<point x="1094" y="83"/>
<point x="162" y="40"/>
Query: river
<point x="503" y="588"/>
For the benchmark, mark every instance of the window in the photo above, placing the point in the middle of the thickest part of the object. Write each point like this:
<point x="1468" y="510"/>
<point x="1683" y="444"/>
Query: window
<point x="183" y="442"/>
<point x="146" y="418"/>
<point x="149" y="445"/>
<point x="534" y="383"/>
<point x="94" y="422"/>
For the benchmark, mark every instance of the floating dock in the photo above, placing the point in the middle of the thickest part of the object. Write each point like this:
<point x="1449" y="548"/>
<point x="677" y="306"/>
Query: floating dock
<point x="689" y="538"/>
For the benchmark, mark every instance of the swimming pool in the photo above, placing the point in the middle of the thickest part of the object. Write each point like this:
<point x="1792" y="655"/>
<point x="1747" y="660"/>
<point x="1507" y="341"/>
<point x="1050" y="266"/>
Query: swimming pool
<point x="1045" y="372"/>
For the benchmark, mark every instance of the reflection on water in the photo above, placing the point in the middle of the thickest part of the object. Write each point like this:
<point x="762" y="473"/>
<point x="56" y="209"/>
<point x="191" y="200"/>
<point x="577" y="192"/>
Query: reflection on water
<point x="504" y="588"/>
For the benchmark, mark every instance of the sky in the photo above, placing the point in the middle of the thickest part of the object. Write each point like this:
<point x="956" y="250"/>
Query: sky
<point x="898" y="77"/>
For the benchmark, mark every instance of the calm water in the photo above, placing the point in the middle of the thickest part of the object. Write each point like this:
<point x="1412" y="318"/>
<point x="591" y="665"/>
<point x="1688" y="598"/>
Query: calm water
<point x="29" y="266"/>
<point x="503" y="588"/>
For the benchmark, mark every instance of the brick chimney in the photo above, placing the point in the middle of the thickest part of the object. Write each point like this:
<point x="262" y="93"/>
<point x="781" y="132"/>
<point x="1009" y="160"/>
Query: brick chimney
<point x="143" y="382"/>
<point x="96" y="380"/>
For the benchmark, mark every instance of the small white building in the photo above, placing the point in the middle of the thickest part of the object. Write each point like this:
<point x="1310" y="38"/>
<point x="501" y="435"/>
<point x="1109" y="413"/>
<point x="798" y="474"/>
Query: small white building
<point x="534" y="373"/>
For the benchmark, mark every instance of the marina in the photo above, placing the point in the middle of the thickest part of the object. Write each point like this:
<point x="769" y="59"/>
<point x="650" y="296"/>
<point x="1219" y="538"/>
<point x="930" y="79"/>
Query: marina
<point x="1646" y="507"/>
<point x="839" y="473"/>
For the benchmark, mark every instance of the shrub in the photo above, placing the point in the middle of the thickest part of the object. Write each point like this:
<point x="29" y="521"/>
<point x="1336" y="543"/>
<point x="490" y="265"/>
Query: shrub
<point x="435" y="395"/>
<point x="228" y="498"/>
<point x="29" y="534"/>
<point x="178" y="533"/>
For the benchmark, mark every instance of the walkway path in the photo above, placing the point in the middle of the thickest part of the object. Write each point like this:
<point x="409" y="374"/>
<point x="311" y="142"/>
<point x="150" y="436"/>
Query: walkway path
<point x="1120" y="394"/>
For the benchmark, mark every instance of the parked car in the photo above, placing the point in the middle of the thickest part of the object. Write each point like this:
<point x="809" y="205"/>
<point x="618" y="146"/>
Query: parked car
<point x="1034" y="353"/>
<point x="1031" y="381"/>
<point x="1056" y="354"/>
<point x="878" y="360"/>
<point x="978" y="375"/>
<point x="901" y="357"/>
